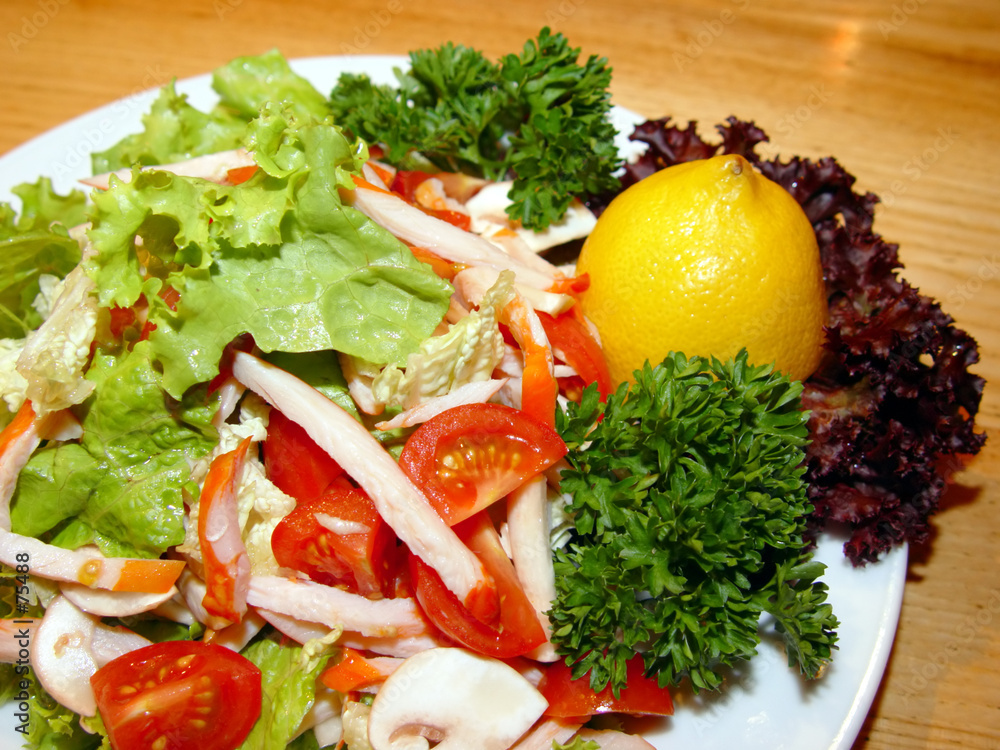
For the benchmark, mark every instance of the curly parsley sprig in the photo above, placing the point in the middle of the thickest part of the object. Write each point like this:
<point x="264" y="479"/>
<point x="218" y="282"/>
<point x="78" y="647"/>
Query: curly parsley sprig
<point x="540" y="117"/>
<point x="689" y="507"/>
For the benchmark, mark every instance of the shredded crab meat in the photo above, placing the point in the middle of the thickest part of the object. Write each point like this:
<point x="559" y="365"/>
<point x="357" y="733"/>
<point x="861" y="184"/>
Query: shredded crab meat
<point x="303" y="631"/>
<point x="224" y="555"/>
<point x="472" y="283"/>
<point x="477" y="392"/>
<point x="336" y="608"/>
<point x="445" y="240"/>
<point x="396" y="498"/>
<point x="212" y="167"/>
<point x="528" y="529"/>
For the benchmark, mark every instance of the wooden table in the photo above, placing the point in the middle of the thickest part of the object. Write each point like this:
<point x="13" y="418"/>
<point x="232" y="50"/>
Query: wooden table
<point x="906" y="93"/>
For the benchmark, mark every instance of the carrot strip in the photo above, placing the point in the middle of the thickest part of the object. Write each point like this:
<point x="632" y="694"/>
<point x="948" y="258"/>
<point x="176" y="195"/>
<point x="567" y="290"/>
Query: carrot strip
<point x="361" y="182"/>
<point x="239" y="175"/>
<point x="352" y="672"/>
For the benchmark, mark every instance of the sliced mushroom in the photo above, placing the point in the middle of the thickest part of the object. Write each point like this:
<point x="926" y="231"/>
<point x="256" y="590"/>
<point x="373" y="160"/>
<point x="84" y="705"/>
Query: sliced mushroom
<point x="108" y="643"/>
<point x="105" y="603"/>
<point x="456" y="699"/>
<point x="61" y="655"/>
<point x="69" y="646"/>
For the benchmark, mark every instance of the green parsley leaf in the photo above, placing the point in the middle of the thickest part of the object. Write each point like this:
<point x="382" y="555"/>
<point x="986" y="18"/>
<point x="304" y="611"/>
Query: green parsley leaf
<point x="689" y="508"/>
<point x="539" y="117"/>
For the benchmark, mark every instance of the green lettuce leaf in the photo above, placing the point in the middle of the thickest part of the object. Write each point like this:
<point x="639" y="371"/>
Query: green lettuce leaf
<point x="289" y="689"/>
<point x="245" y="84"/>
<point x="122" y="485"/>
<point x="173" y="131"/>
<point x="34" y="243"/>
<point x="41" y="206"/>
<point x="279" y="257"/>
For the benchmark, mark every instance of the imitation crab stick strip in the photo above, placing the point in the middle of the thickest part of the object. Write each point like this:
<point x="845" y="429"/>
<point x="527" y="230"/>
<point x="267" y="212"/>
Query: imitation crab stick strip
<point x="539" y="387"/>
<point x="303" y="631"/>
<point x="17" y="442"/>
<point x="476" y="392"/>
<point x="400" y="503"/>
<point x="473" y="283"/>
<point x="445" y="240"/>
<point x="86" y="567"/>
<point x="528" y="533"/>
<point x="212" y="167"/>
<point x="227" y="564"/>
<point x="333" y="607"/>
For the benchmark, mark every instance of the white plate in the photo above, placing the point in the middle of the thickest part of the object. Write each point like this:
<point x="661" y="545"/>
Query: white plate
<point x="765" y="706"/>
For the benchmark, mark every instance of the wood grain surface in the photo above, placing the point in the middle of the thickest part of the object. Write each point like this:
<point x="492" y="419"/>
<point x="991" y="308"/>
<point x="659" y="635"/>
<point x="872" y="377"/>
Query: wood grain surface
<point x="905" y="93"/>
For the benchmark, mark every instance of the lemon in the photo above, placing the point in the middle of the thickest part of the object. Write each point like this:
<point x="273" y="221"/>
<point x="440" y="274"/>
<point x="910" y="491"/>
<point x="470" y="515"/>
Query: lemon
<point x="705" y="258"/>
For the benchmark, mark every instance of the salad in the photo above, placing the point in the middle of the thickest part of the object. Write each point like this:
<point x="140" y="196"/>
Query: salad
<point x="306" y="444"/>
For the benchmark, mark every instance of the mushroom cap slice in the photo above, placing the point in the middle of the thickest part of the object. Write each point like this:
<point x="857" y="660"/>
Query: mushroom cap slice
<point x="455" y="698"/>
<point x="104" y="603"/>
<point x="62" y="658"/>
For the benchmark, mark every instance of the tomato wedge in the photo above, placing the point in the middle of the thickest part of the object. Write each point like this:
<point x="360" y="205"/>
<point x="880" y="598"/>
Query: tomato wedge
<point x="297" y="466"/>
<point x="470" y="456"/>
<point x="578" y="348"/>
<point x="338" y="539"/>
<point x="641" y="696"/>
<point x="517" y="630"/>
<point x="179" y="695"/>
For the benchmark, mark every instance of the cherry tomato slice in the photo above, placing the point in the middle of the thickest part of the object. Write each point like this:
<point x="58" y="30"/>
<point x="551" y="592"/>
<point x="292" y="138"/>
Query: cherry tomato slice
<point x="297" y="466"/>
<point x="567" y="697"/>
<point x="578" y="348"/>
<point x="470" y="456"/>
<point x="180" y="695"/>
<point x="358" y="556"/>
<point x="517" y="630"/>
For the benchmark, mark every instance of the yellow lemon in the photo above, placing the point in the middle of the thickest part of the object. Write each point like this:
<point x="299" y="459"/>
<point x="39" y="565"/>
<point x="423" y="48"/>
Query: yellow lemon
<point x="705" y="258"/>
